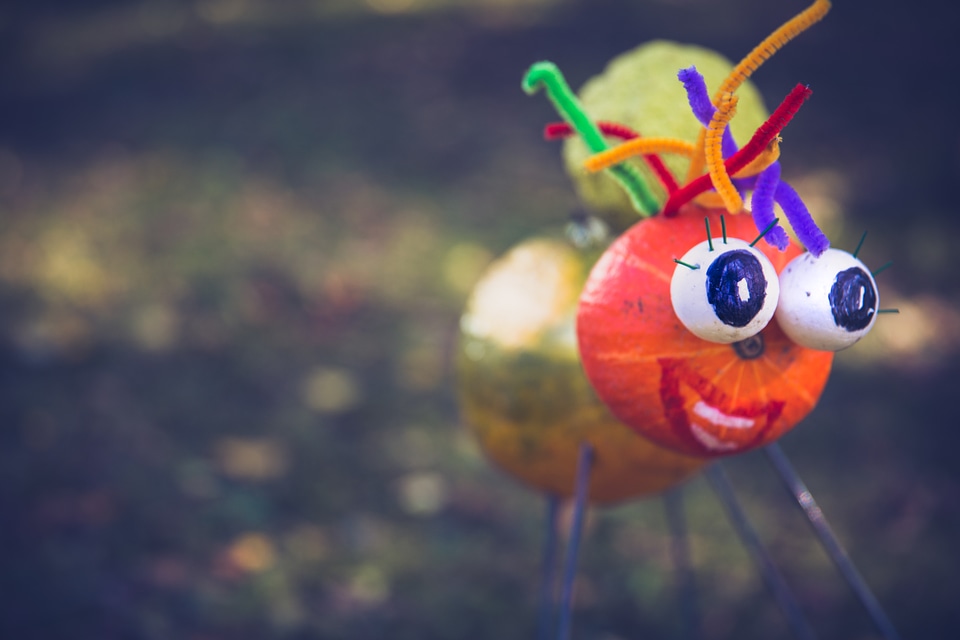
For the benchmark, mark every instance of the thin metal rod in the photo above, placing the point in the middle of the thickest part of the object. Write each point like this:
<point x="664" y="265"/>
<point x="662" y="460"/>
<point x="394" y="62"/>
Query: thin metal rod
<point x="581" y="491"/>
<point x="548" y="571"/>
<point x="751" y="541"/>
<point x="680" y="554"/>
<point x="828" y="540"/>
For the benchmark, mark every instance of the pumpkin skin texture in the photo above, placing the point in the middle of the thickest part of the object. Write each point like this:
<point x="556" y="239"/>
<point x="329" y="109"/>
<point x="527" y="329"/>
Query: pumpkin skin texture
<point x="522" y="390"/>
<point x="692" y="396"/>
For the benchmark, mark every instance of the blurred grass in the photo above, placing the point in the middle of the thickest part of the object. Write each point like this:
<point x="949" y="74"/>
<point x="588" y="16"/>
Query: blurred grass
<point x="236" y="240"/>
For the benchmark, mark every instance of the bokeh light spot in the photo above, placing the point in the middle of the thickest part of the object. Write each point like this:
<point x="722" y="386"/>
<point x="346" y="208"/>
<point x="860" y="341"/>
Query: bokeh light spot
<point x="308" y="543"/>
<point x="463" y="264"/>
<point x="422" y="493"/>
<point x="331" y="390"/>
<point x="251" y="458"/>
<point x="252" y="553"/>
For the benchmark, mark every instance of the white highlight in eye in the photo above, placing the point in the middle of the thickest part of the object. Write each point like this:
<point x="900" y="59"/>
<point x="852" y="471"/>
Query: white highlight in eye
<point x="743" y="289"/>
<point x="719" y="418"/>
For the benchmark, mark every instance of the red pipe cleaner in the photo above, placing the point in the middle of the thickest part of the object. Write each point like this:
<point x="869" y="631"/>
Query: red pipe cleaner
<point x="761" y="138"/>
<point x="560" y="130"/>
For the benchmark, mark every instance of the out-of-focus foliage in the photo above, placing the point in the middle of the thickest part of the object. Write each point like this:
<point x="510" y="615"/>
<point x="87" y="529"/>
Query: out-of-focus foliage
<point x="236" y="239"/>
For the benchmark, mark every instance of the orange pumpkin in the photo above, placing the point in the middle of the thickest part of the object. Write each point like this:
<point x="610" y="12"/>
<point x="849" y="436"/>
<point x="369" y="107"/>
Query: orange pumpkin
<point x="692" y="396"/>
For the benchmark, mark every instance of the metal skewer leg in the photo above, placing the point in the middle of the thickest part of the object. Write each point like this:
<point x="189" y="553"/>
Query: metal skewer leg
<point x="548" y="571"/>
<point x="584" y="463"/>
<point x="751" y="541"/>
<point x="680" y="554"/>
<point x="829" y="541"/>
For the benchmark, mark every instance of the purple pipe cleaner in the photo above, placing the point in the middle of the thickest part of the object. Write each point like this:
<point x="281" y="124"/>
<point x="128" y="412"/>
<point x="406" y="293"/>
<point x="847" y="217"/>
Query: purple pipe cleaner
<point x="800" y="219"/>
<point x="762" y="204"/>
<point x="767" y="186"/>
<point x="702" y="108"/>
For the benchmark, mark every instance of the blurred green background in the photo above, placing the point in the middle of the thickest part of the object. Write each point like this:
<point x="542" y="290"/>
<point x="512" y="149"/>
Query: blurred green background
<point x="236" y="239"/>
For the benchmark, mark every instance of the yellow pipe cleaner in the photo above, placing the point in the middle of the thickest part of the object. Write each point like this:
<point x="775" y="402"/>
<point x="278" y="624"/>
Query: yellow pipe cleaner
<point x="718" y="172"/>
<point x="766" y="158"/>
<point x="637" y="147"/>
<point x="643" y="146"/>
<point x="770" y="45"/>
<point x="760" y="54"/>
<point x="713" y="200"/>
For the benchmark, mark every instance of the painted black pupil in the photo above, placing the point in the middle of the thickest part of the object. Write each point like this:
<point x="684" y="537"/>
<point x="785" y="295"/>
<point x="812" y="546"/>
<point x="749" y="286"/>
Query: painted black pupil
<point x="853" y="300"/>
<point x="736" y="287"/>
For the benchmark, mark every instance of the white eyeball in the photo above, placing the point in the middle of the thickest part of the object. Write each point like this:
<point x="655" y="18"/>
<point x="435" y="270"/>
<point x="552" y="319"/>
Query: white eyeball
<point x="827" y="303"/>
<point x="726" y="294"/>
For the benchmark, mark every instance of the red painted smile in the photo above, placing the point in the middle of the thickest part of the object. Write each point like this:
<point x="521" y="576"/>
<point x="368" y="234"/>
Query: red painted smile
<point x="702" y="415"/>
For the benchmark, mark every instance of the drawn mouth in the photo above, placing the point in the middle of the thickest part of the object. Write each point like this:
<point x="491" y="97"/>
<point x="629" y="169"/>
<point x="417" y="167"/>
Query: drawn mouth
<point x="708" y="419"/>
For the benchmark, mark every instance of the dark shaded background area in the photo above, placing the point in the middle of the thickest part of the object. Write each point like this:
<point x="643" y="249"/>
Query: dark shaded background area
<point x="236" y="239"/>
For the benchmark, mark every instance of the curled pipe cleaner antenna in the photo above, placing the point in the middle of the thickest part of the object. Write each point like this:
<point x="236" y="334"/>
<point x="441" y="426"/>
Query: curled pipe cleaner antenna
<point x="760" y="54"/>
<point x="718" y="172"/>
<point x="762" y="205"/>
<point x="547" y="74"/>
<point x="637" y="146"/>
<point x="767" y="186"/>
<point x="781" y="116"/>
<point x="771" y="44"/>
<point x="712" y="199"/>
<point x="560" y="130"/>
<point x="763" y="136"/>
<point x="697" y="96"/>
<point x="703" y="109"/>
<point x="800" y="219"/>
<point x="766" y="158"/>
<point x="634" y="147"/>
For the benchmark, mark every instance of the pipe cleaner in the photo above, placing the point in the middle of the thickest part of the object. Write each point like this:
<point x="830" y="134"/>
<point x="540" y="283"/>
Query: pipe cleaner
<point x="547" y="74"/>
<point x="560" y="130"/>
<point x="760" y="54"/>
